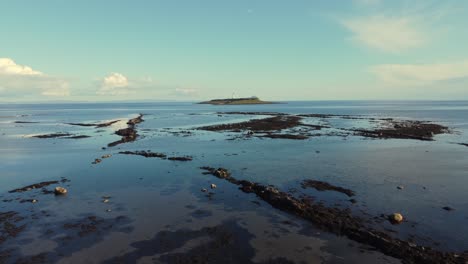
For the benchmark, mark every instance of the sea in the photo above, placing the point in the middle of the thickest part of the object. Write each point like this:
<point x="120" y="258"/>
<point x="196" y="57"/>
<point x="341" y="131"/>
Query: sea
<point x="133" y="209"/>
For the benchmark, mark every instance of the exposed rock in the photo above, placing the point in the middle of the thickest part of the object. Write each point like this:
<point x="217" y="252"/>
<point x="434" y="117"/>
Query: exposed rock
<point x="54" y="135"/>
<point x="62" y="135"/>
<point x="25" y="122"/>
<point x="405" y="130"/>
<point x="136" y="120"/>
<point x="33" y="186"/>
<point x="147" y="154"/>
<point x="255" y="125"/>
<point x="186" y="158"/>
<point x="128" y="134"/>
<point x="395" y="218"/>
<point x="60" y="191"/>
<point x="106" y="156"/>
<point x="213" y="186"/>
<point x="78" y="137"/>
<point x="105" y="124"/>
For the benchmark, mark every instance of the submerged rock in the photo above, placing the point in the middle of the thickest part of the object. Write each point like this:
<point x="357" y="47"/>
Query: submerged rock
<point x="324" y="186"/>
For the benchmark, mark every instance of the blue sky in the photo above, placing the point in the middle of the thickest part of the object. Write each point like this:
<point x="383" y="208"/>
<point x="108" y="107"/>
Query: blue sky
<point x="192" y="50"/>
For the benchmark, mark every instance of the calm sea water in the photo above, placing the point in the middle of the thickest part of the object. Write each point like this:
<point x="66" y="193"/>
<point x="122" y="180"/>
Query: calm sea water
<point x="160" y="195"/>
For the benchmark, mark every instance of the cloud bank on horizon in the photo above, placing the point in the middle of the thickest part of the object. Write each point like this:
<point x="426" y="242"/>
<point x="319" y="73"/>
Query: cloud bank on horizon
<point x="18" y="79"/>
<point x="360" y="49"/>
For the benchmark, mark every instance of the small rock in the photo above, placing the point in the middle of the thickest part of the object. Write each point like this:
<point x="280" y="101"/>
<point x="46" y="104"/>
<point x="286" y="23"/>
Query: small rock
<point x="106" y="156"/>
<point x="400" y="187"/>
<point x="396" y="218"/>
<point x="34" y="201"/>
<point x="96" y="161"/>
<point x="105" y="200"/>
<point x="448" y="208"/>
<point x="213" y="186"/>
<point x="108" y="210"/>
<point x="60" y="191"/>
<point x="204" y="190"/>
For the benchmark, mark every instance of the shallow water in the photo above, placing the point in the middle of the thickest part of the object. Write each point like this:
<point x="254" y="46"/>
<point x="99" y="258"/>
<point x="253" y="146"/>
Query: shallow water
<point x="167" y="218"/>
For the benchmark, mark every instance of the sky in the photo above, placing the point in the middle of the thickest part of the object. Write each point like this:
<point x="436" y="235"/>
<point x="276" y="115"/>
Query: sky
<point x="87" y="50"/>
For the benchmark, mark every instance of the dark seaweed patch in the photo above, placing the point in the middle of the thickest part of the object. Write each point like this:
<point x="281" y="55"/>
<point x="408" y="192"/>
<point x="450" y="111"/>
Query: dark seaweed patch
<point x="325" y="186"/>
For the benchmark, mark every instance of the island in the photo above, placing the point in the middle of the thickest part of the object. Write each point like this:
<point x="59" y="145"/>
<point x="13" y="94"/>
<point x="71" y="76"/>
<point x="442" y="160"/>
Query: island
<point x="237" y="101"/>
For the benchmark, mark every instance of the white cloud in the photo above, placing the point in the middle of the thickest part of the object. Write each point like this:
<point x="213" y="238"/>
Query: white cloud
<point x="114" y="84"/>
<point x="117" y="84"/>
<point x="115" y="80"/>
<point x="420" y="74"/>
<point x="385" y="33"/>
<point x="22" y="80"/>
<point x="9" y="67"/>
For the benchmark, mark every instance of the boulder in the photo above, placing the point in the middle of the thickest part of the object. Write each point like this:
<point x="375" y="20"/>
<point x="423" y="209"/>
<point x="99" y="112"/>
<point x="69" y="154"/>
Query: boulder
<point x="60" y="191"/>
<point x="396" y="218"/>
